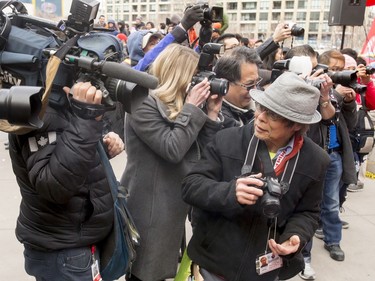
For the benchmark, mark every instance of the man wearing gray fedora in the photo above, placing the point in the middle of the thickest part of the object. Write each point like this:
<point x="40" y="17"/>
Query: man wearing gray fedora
<point x="257" y="189"/>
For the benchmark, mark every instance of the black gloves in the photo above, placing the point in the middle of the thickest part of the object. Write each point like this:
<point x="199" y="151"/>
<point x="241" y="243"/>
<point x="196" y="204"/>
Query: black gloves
<point x="191" y="16"/>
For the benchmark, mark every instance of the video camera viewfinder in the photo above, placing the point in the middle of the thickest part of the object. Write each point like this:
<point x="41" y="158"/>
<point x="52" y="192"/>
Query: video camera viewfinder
<point x="82" y="16"/>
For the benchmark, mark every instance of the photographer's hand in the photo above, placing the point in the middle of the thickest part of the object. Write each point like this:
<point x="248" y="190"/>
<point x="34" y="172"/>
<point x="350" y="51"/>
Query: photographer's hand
<point x="347" y="93"/>
<point x="281" y="33"/>
<point x="361" y="73"/>
<point x="191" y="16"/>
<point x="86" y="93"/>
<point x="288" y="247"/>
<point x="213" y="106"/>
<point x="114" y="144"/>
<point x="248" y="189"/>
<point x="199" y="93"/>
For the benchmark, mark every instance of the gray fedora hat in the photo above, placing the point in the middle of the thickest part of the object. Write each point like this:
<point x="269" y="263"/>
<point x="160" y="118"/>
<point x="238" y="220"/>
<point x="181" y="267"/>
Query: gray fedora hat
<point x="290" y="97"/>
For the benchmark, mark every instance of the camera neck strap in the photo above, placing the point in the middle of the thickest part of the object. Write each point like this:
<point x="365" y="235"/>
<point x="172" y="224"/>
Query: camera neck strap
<point x="259" y="148"/>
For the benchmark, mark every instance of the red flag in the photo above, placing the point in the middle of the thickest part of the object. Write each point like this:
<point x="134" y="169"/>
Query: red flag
<point x="370" y="2"/>
<point x="368" y="49"/>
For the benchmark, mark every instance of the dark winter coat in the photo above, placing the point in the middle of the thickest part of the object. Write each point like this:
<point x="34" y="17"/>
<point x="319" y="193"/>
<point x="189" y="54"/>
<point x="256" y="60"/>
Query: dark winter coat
<point x="160" y="153"/>
<point x="227" y="236"/>
<point x="346" y="120"/>
<point x="66" y="200"/>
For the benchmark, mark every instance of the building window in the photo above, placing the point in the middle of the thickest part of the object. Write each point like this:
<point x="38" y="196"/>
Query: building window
<point x="276" y="4"/>
<point x="264" y="5"/>
<point x="152" y="8"/>
<point x="313" y="26"/>
<point x="247" y="28"/>
<point x="164" y="8"/>
<point x="315" y="4"/>
<point x="263" y="16"/>
<point x="301" y="15"/>
<point x="275" y="16"/>
<point x="263" y="26"/>
<point x="248" y="16"/>
<point x="289" y="4"/>
<point x="232" y="16"/>
<point x="288" y="16"/>
<point x="249" y="5"/>
<point x="314" y="15"/>
<point x="301" y="4"/>
<point x="143" y="8"/>
<point x="232" y="5"/>
<point x="135" y="8"/>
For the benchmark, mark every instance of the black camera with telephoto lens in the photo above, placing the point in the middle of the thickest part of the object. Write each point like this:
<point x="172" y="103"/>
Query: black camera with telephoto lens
<point x="218" y="86"/>
<point x="346" y="78"/>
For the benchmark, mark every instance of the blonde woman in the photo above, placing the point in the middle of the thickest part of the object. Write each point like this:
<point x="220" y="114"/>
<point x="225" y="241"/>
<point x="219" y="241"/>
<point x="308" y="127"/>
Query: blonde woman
<point x="164" y="138"/>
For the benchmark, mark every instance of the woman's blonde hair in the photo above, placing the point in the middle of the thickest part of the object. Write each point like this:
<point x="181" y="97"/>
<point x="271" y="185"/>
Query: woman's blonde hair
<point x="174" y="67"/>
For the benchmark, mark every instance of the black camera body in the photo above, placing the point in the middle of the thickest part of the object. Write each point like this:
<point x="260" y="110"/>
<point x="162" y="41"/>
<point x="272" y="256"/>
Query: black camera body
<point x="296" y="30"/>
<point x="273" y="191"/>
<point x="218" y="86"/>
<point x="370" y="69"/>
<point x="212" y="14"/>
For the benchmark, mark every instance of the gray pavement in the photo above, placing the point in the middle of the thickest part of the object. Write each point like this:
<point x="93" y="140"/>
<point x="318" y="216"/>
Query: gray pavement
<point x="357" y="242"/>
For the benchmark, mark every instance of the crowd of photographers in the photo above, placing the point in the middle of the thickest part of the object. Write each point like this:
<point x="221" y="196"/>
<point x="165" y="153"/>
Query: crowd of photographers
<point x="246" y="67"/>
<point x="254" y="144"/>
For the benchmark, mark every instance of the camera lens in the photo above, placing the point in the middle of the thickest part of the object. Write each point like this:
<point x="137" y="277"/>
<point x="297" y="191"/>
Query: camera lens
<point x="345" y="77"/>
<point x="271" y="206"/>
<point x="297" y="31"/>
<point x="370" y="70"/>
<point x="219" y="86"/>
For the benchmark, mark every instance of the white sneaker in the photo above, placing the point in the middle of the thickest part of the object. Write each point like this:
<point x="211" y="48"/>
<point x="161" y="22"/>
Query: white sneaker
<point x="308" y="273"/>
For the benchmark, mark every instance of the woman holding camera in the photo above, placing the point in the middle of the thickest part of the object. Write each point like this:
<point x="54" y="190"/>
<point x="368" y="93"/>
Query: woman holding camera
<point x="163" y="139"/>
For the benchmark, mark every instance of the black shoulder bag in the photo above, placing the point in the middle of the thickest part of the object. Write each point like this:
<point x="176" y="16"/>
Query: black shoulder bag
<point x="117" y="251"/>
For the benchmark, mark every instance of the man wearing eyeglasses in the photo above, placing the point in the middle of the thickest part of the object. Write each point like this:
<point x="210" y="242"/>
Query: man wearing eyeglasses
<point x="233" y="229"/>
<point x="240" y="67"/>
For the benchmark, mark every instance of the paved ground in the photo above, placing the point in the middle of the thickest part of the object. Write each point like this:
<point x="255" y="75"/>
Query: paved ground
<point x="358" y="240"/>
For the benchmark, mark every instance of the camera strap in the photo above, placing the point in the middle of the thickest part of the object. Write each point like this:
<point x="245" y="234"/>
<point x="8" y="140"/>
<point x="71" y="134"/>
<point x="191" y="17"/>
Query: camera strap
<point x="258" y="148"/>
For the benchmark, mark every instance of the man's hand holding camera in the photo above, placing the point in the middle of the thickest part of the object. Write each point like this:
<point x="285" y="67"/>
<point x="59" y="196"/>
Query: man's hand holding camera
<point x="85" y="93"/>
<point x="362" y="73"/>
<point x="282" y="32"/>
<point x="249" y="189"/>
<point x="191" y="16"/>
<point x="348" y="94"/>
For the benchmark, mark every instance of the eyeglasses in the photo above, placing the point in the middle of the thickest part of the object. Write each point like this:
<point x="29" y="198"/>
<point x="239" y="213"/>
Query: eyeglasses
<point x="272" y="115"/>
<point x="249" y="85"/>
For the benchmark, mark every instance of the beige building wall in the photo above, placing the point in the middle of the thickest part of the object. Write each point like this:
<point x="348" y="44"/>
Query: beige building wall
<point x="253" y="18"/>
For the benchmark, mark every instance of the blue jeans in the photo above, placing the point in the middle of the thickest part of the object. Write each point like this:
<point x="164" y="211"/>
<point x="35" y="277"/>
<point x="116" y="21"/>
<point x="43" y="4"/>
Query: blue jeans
<point x="69" y="264"/>
<point x="330" y="219"/>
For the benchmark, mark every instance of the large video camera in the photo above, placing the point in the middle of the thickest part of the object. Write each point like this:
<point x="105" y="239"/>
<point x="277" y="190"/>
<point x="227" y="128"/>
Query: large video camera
<point x="27" y="102"/>
<point x="95" y="56"/>
<point x="218" y="86"/>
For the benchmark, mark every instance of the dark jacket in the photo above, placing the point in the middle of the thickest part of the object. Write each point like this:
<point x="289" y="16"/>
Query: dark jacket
<point x="235" y="117"/>
<point x="66" y="200"/>
<point x="160" y="153"/>
<point x="346" y="120"/>
<point x="227" y="236"/>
